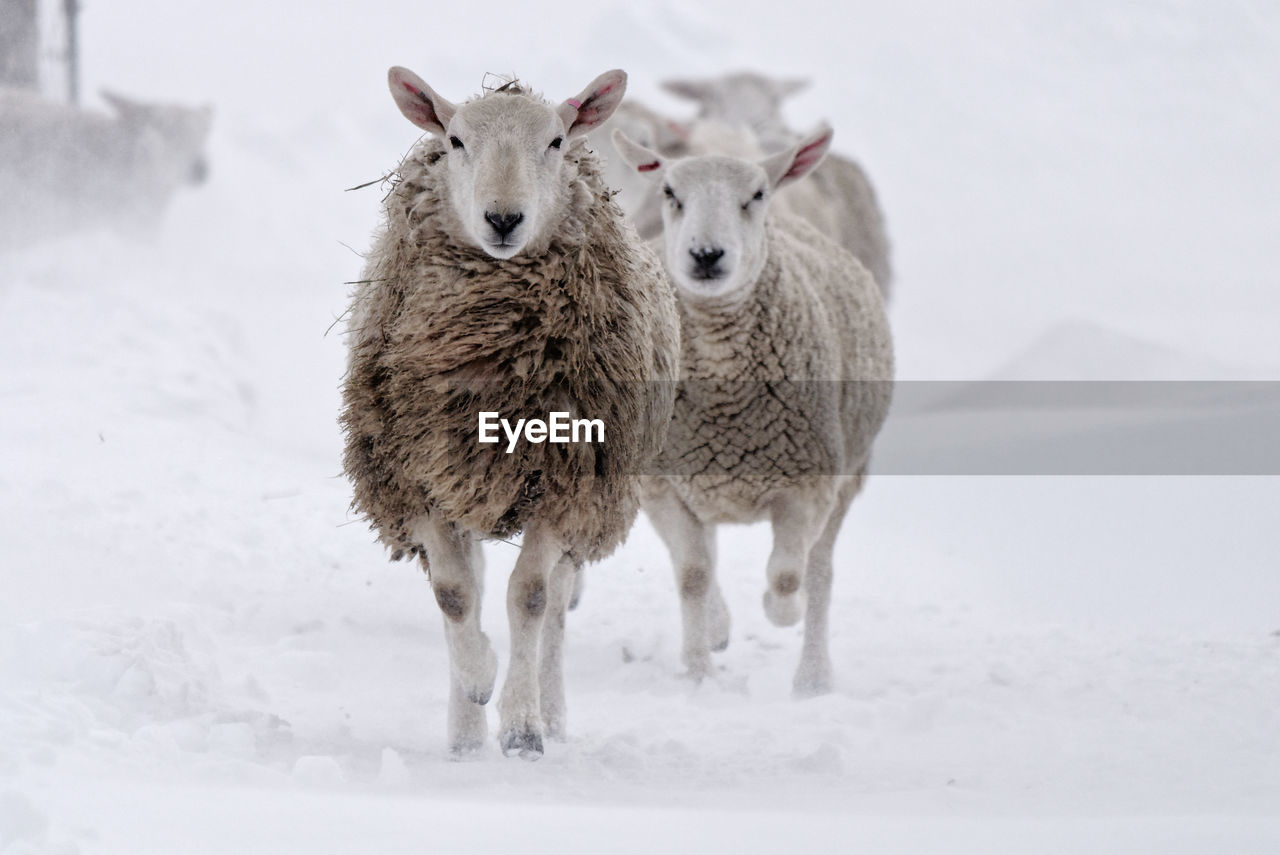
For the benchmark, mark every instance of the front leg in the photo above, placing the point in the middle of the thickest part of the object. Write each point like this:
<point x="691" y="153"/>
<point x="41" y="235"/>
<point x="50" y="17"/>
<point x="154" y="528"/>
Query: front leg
<point x="454" y="564"/>
<point x="813" y="677"/>
<point x="692" y="546"/>
<point x="551" y="666"/>
<point x="798" y="519"/>
<point x="520" y="720"/>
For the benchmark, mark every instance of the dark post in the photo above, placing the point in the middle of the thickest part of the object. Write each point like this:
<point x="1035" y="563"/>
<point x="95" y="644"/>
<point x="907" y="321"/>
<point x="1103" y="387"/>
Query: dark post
<point x="19" y="44"/>
<point x="72" y="10"/>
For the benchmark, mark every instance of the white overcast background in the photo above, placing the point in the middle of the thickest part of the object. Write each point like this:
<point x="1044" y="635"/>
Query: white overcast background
<point x="201" y="652"/>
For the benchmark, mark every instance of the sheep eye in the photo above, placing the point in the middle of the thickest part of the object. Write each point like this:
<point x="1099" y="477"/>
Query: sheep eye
<point x="455" y="142"/>
<point x="756" y="198"/>
<point x="671" y="194"/>
<point x="555" y="143"/>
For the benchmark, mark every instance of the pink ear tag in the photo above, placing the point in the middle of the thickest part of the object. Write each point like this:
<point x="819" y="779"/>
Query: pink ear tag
<point x="416" y="91"/>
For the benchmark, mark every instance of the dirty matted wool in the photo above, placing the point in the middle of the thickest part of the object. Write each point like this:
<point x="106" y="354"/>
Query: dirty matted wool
<point x="441" y="331"/>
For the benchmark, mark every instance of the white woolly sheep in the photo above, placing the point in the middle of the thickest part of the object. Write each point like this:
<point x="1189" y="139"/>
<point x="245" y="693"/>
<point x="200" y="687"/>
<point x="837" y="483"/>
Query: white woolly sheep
<point x="63" y="168"/>
<point x="505" y="280"/>
<point x="839" y="198"/>
<point x="786" y="373"/>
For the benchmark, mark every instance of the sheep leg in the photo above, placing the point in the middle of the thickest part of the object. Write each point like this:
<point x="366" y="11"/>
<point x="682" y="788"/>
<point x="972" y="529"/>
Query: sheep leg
<point x="692" y="547"/>
<point x="518" y="708"/>
<point x="551" y="670"/>
<point x="797" y="523"/>
<point x="575" y="595"/>
<point x="456" y="580"/>
<point x="813" y="677"/>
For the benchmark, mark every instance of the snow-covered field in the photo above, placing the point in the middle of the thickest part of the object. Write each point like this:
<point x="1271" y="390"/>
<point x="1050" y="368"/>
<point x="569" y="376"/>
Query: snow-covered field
<point x="200" y="651"/>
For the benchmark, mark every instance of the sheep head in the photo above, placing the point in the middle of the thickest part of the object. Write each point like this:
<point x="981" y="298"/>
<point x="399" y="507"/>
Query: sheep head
<point x="715" y="209"/>
<point x="172" y="137"/>
<point x="743" y="98"/>
<point x="506" y="153"/>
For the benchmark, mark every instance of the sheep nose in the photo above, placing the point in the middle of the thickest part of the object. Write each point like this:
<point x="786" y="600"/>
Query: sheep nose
<point x="706" y="258"/>
<point x="503" y="223"/>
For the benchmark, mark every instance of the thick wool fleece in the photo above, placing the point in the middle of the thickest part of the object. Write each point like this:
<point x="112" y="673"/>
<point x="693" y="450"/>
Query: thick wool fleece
<point x="782" y="387"/>
<point x="441" y="331"/>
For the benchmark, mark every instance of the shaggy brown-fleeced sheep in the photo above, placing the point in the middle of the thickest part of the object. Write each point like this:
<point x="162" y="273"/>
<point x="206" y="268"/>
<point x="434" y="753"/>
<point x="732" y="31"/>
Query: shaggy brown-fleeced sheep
<point x="505" y="280"/>
<point x="785" y="380"/>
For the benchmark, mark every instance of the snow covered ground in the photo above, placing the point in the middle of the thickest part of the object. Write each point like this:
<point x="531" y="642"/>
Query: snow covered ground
<point x="200" y="651"/>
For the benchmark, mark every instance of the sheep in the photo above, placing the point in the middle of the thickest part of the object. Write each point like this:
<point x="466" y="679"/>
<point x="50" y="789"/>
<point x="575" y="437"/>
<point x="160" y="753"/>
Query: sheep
<point x="63" y="168"/>
<point x="786" y="378"/>
<point x="841" y="201"/>
<point x="505" y="280"/>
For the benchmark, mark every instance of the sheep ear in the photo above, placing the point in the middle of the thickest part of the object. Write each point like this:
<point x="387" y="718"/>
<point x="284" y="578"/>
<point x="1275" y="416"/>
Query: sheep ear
<point x="785" y="88"/>
<point x="418" y="101"/>
<point x="799" y="160"/>
<point x="635" y="155"/>
<point x="592" y="106"/>
<point x="683" y="87"/>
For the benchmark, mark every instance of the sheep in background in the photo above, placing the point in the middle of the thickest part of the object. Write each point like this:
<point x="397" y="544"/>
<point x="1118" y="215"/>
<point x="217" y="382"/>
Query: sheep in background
<point x="505" y="279"/>
<point x="843" y="206"/>
<point x="743" y="98"/>
<point x="63" y="168"/>
<point x="786" y="373"/>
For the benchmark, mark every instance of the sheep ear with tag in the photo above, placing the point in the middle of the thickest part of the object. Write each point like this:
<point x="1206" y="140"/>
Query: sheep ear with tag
<point x="418" y="101"/>
<point x="590" y="108"/>
<point x="636" y="156"/>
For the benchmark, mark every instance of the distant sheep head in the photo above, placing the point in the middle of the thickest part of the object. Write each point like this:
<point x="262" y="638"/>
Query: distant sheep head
<point x="505" y="153"/>
<point x="172" y="136"/>
<point x="715" y="209"/>
<point x="743" y="98"/>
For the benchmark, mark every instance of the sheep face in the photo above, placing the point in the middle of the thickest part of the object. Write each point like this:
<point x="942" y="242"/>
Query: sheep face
<point x="505" y="155"/>
<point x="713" y="218"/>
<point x="715" y="210"/>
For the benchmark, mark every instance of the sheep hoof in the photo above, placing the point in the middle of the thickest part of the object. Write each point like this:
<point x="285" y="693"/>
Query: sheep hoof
<point x="783" y="610"/>
<point x="720" y="645"/>
<point x="697" y="669"/>
<point x="465" y="746"/>
<point x="526" y="742"/>
<point x="480" y="696"/>
<point x="812" y="681"/>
